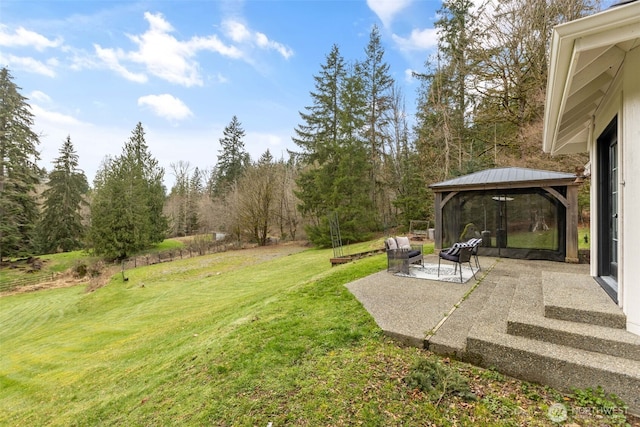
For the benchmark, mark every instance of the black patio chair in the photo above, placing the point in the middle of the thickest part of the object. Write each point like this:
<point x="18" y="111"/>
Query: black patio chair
<point x="475" y="244"/>
<point x="459" y="253"/>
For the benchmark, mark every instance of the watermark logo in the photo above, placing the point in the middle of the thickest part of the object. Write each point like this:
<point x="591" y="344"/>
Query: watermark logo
<point x="557" y="413"/>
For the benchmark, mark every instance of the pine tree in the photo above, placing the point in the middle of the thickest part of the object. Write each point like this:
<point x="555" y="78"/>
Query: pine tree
<point x="319" y="134"/>
<point x="195" y="194"/>
<point x="445" y="137"/>
<point x="110" y="234"/>
<point x="19" y="172"/>
<point x="61" y="226"/>
<point x="405" y="177"/>
<point x="336" y="177"/>
<point x="232" y="157"/>
<point x="126" y="212"/>
<point x="178" y="198"/>
<point x="377" y="89"/>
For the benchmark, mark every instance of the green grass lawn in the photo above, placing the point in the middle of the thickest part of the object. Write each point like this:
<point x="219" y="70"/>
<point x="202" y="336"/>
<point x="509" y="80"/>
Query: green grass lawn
<point x="236" y="338"/>
<point x="584" y="240"/>
<point x="543" y="239"/>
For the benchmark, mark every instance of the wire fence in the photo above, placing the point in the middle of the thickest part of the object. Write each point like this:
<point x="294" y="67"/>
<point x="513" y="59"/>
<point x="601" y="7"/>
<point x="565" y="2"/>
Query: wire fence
<point x="169" y="255"/>
<point x="28" y="280"/>
<point x="195" y="249"/>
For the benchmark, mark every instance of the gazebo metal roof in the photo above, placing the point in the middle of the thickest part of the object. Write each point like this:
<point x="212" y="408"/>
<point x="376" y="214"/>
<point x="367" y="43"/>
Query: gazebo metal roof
<point x="510" y="177"/>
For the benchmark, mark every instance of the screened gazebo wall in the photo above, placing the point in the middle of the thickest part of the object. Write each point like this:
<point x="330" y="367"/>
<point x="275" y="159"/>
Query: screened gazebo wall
<point x="517" y="217"/>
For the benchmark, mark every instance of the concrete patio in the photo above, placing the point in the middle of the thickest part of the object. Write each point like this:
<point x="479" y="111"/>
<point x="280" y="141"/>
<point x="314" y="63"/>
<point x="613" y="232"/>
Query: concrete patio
<point x="540" y="321"/>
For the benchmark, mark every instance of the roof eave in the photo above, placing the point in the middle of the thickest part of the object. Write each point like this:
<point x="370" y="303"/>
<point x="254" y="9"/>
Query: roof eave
<point x="568" y="40"/>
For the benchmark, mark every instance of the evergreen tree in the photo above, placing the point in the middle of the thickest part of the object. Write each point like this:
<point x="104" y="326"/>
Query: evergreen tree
<point x="319" y="134"/>
<point x="232" y="157"/>
<point x="377" y="89"/>
<point x="336" y="177"/>
<point x="61" y="227"/>
<point x="178" y="198"/>
<point x="195" y="194"/>
<point x="126" y="212"/>
<point x="482" y="103"/>
<point x="148" y="176"/>
<point x="111" y="220"/>
<point x="19" y="172"/>
<point x="455" y="31"/>
<point x="318" y="137"/>
<point x="405" y="176"/>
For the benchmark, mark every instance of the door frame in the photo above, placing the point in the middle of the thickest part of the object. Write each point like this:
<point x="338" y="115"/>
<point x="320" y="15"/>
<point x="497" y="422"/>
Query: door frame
<point x="608" y="202"/>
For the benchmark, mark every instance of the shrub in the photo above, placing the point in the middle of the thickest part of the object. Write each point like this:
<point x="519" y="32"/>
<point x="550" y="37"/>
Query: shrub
<point x="438" y="381"/>
<point x="80" y="270"/>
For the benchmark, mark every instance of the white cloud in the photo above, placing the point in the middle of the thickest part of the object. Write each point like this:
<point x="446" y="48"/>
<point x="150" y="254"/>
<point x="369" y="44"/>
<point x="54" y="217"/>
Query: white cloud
<point x="92" y="143"/>
<point x="219" y="78"/>
<point x="265" y="140"/>
<point x="40" y="96"/>
<point x="31" y="65"/>
<point x="166" y="106"/>
<point x="111" y="58"/>
<point x="239" y="33"/>
<point x="418" y="40"/>
<point x="81" y="60"/>
<point x="164" y="56"/>
<point x="25" y="38"/>
<point x="387" y="9"/>
<point x="263" y="41"/>
<point x="214" y="44"/>
<point x="236" y="31"/>
<point x="53" y="117"/>
<point x="408" y="75"/>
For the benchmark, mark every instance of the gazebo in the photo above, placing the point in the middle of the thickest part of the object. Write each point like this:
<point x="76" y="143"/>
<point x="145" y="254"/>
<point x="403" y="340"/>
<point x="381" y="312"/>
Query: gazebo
<point x="518" y="212"/>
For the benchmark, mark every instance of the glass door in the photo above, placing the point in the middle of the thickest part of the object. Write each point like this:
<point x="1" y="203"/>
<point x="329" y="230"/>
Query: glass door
<point x="608" y="210"/>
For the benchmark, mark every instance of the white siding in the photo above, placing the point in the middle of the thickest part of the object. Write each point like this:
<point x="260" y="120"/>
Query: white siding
<point x="630" y="138"/>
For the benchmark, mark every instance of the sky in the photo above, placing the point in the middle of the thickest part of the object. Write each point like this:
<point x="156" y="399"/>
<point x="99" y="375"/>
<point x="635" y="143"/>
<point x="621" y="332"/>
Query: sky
<point x="93" y="69"/>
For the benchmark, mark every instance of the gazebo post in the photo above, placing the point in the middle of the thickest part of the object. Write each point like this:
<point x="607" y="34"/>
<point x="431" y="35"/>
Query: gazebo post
<point x="439" y="224"/>
<point x="572" y="224"/>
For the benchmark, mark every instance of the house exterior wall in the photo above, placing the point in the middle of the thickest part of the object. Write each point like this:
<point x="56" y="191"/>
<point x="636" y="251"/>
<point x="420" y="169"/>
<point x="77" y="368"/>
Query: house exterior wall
<point x="630" y="183"/>
<point x="610" y="107"/>
<point x="622" y="100"/>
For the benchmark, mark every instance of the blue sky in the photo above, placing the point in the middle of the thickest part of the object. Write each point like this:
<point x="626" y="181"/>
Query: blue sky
<point x="93" y="69"/>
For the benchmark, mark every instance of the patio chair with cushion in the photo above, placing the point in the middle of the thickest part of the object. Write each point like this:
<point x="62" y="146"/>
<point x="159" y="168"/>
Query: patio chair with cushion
<point x="401" y="253"/>
<point x="475" y="243"/>
<point x="460" y="253"/>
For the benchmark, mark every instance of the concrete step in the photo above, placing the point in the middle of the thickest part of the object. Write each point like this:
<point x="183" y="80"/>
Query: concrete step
<point x="558" y="366"/>
<point x="492" y="315"/>
<point x="450" y="339"/>
<point x="578" y="298"/>
<point x="614" y="342"/>
<point x="526" y="319"/>
<point x="498" y="340"/>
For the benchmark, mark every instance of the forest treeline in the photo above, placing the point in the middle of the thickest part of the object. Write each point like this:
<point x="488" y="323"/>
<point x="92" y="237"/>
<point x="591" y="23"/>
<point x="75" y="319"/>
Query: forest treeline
<point x="480" y="105"/>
